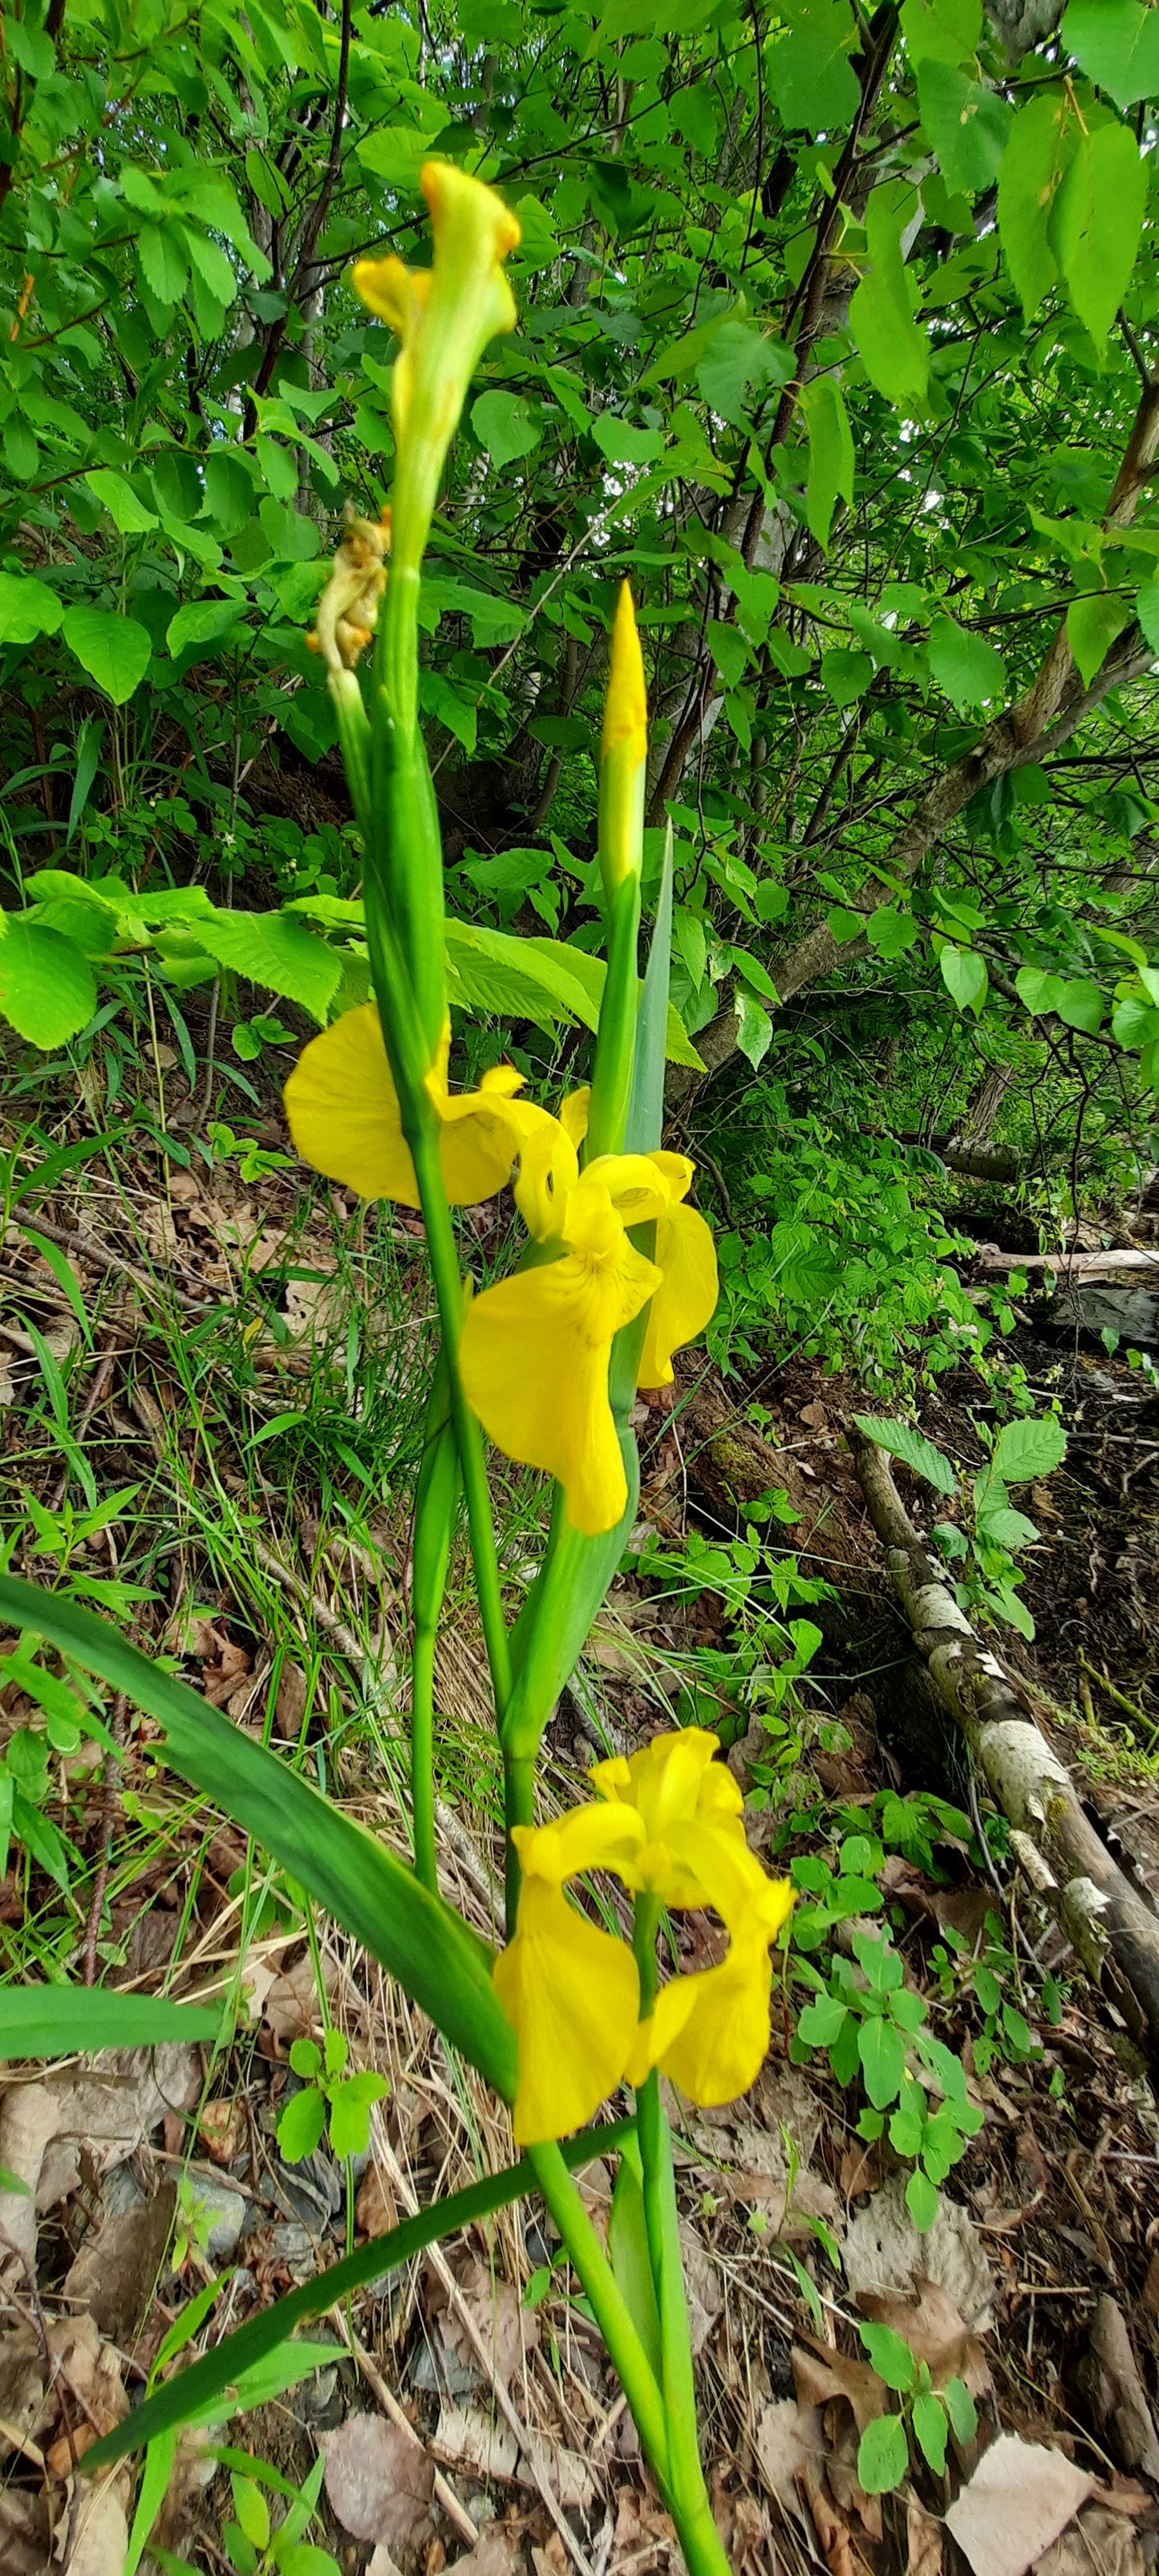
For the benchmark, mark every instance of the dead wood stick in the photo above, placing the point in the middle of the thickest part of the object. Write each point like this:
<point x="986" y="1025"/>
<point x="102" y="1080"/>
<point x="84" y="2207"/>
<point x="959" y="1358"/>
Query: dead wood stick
<point x="1114" y="1933"/>
<point x="1087" y="1263"/>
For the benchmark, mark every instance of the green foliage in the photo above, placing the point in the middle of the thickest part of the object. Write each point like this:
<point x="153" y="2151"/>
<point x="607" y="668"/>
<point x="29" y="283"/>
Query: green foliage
<point x="927" y="2415"/>
<point x="329" y="2098"/>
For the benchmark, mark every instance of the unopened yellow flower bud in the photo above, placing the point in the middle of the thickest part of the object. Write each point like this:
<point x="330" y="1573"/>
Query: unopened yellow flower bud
<point x="623" y="753"/>
<point x="444" y="317"/>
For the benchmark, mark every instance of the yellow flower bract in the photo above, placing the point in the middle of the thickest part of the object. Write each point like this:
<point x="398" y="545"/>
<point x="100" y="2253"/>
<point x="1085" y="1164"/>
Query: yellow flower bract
<point x="669" y="1825"/>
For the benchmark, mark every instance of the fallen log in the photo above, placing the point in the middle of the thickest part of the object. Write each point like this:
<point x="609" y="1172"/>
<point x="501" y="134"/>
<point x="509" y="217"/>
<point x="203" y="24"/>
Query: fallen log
<point x="1088" y="1265"/>
<point x="1112" y="1929"/>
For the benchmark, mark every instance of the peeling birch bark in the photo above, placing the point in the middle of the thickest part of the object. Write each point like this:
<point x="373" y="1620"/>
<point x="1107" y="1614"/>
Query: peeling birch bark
<point x="1111" y="1928"/>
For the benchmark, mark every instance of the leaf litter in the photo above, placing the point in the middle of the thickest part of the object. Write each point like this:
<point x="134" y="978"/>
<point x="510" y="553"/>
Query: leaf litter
<point x="1029" y="2287"/>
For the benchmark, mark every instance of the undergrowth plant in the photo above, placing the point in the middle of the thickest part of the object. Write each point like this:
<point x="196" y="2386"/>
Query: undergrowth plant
<point x="616" y="1272"/>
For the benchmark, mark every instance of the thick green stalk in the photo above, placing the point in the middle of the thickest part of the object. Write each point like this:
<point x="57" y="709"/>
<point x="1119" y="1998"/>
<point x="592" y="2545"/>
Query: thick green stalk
<point x="518" y="1809"/>
<point x="608" y="2305"/>
<point x="436" y="1510"/>
<point x="686" y="2490"/>
<point x="422" y="1753"/>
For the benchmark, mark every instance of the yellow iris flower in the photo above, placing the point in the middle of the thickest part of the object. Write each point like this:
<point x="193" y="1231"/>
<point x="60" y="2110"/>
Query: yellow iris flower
<point x="345" y="1118"/>
<point x="669" y="1824"/>
<point x="536" y="1348"/>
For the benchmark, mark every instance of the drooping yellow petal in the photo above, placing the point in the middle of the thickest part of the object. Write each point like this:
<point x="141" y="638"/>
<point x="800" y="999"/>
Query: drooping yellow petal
<point x="637" y="1190"/>
<point x="345" y="1119"/>
<point x="574" y="1114"/>
<point x="535" y="1369"/>
<point x="684" y="1798"/>
<point x="572" y="1993"/>
<point x="686" y="1300"/>
<point x="344" y="1114"/>
<point x="712" y="2037"/>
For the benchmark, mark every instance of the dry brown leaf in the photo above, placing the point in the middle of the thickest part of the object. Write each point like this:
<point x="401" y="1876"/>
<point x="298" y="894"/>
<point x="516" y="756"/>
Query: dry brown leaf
<point x="376" y="2209"/>
<point x="483" y="2444"/>
<point x="923" y="2540"/>
<point x="702" y="2285"/>
<point x="379" y="2481"/>
<point x="29" y="2117"/>
<point x="645" y="2536"/>
<point x="290" y="2009"/>
<point x="24" y="2533"/>
<point x="102" y="2538"/>
<point x="116" y="2270"/>
<point x="832" y="2533"/>
<point x="563" y="2471"/>
<point x="817" y="2382"/>
<point x="504" y="2330"/>
<point x="498" y="2554"/>
<point x="1098" y="2544"/>
<point x="1019" y="2499"/>
<point x="22" y="2406"/>
<point x="7" y="1389"/>
<point x="788" y="2439"/>
<point x="885" y="2255"/>
<point x="933" y="2328"/>
<point x="221" y="2128"/>
<point x="1111" y="2379"/>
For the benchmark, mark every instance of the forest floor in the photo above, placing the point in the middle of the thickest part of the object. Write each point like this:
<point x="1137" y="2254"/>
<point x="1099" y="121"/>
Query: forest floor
<point x="240" y="1396"/>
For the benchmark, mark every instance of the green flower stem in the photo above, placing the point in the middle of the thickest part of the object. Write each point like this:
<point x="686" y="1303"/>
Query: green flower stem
<point x="444" y="1260"/>
<point x="518" y="1809"/>
<point x="608" y="2304"/>
<point x="422" y="1754"/>
<point x="686" y="2490"/>
<point x="616" y="1037"/>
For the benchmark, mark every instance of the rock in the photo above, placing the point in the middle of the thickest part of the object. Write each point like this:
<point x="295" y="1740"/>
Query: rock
<point x="228" y="2212"/>
<point x="116" y="2270"/>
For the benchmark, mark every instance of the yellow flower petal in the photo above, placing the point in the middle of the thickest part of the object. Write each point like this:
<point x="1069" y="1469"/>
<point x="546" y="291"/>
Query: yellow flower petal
<point x="345" y="1119"/>
<point x="535" y="1368"/>
<point x="686" y="1300"/>
<point x="343" y="1111"/>
<point x="637" y="1190"/>
<point x="547" y="1175"/>
<point x="573" y="1996"/>
<point x="712" y="2038"/>
<point x="574" y="1114"/>
<point x="589" y="1837"/>
<point x="686" y="1801"/>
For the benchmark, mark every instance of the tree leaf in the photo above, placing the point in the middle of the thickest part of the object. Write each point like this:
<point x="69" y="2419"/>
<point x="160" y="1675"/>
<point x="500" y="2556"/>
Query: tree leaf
<point x="301" y="2123"/>
<point x="1096" y="224"/>
<point x="904" y="1441"/>
<point x="967" y="124"/>
<point x="881" y="2050"/>
<point x="882" y="2455"/>
<point x="1042" y="142"/>
<point x="130" y="515"/>
<point x="965" y="976"/>
<point x="28" y="608"/>
<point x="809" y="71"/>
<point x="830" y="455"/>
<point x="932" y="2429"/>
<point x="272" y="949"/>
<point x="894" y="352"/>
<point x="1093" y="620"/>
<point x="115" y="651"/>
<point x="1028" y="1449"/>
<point x="46" y="984"/>
<point x="1117" y="44"/>
<point x="505" y="425"/>
<point x="967" y="666"/>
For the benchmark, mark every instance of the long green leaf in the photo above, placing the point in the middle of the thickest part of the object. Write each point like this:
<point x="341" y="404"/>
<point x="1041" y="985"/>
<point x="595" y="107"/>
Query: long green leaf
<point x="418" y="1938"/>
<point x="185" y="2395"/>
<point x="52" y="2021"/>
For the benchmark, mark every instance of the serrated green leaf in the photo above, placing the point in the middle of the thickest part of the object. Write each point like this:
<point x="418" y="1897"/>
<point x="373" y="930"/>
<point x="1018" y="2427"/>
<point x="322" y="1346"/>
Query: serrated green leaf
<point x="47" y="989"/>
<point x="831" y="461"/>
<point x="965" y="976"/>
<point x="809" y="71"/>
<point x="881" y="2050"/>
<point x="968" y="667"/>
<point x="1025" y="1450"/>
<point x="129" y="514"/>
<point x="903" y="1440"/>
<point x="505" y="425"/>
<point x="967" y="124"/>
<point x="272" y="949"/>
<point x="301" y="2123"/>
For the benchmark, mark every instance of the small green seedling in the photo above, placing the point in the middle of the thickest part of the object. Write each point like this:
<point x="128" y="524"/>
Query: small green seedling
<point x="927" y="2414"/>
<point x="328" y="2092"/>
